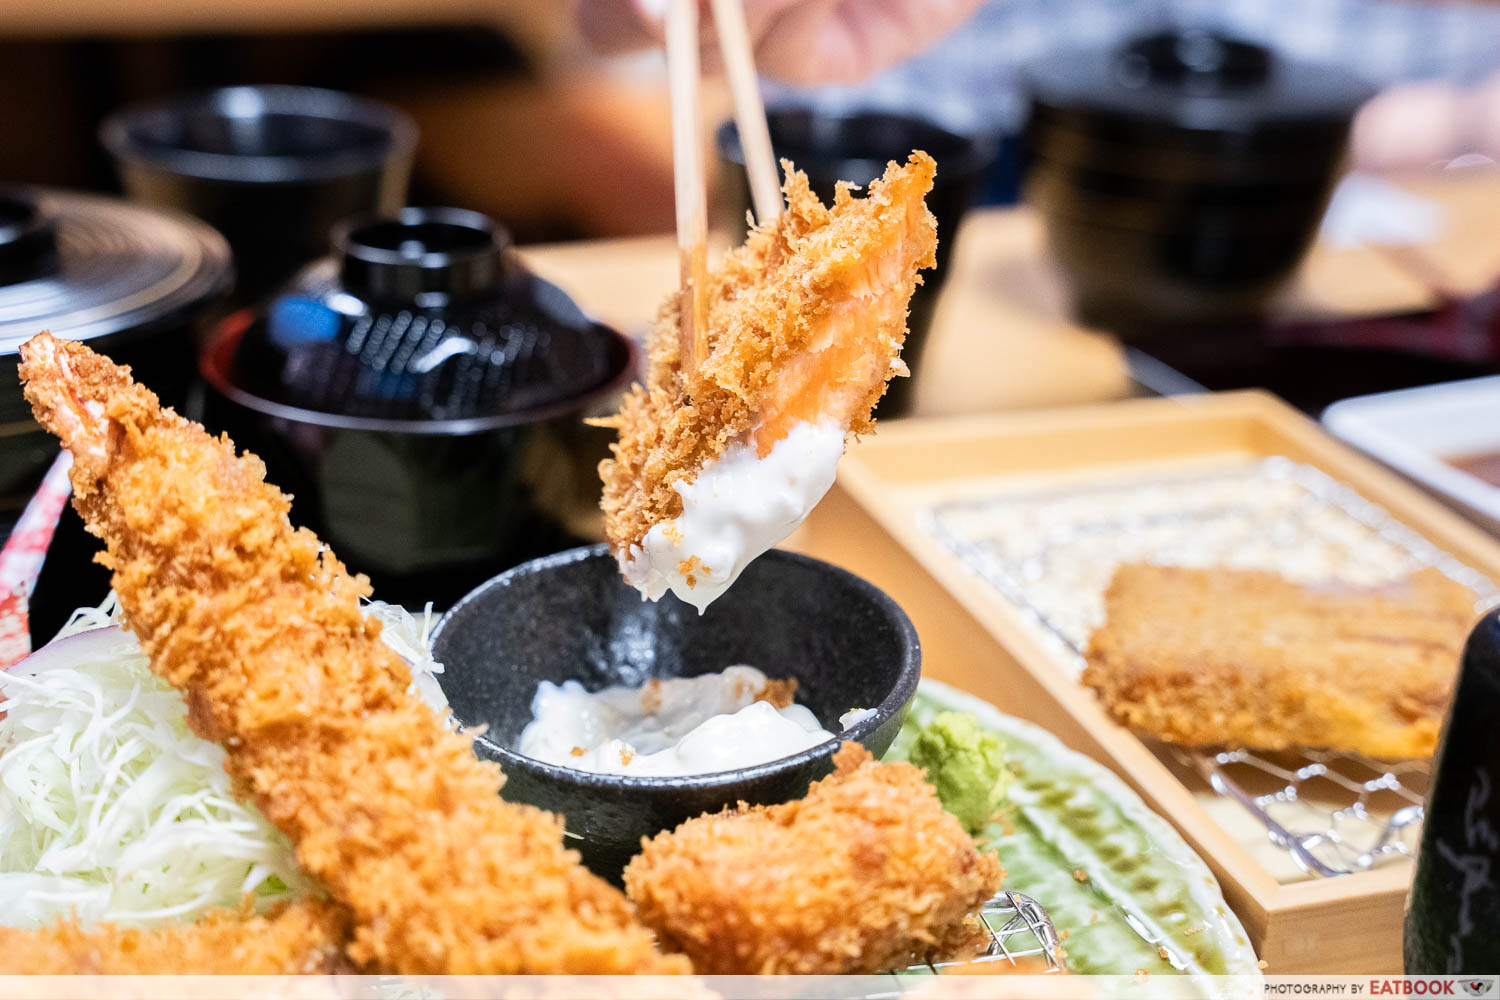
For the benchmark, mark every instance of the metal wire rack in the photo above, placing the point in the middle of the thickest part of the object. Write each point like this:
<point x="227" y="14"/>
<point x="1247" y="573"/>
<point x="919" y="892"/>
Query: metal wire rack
<point x="1051" y="554"/>
<point x="1020" y="933"/>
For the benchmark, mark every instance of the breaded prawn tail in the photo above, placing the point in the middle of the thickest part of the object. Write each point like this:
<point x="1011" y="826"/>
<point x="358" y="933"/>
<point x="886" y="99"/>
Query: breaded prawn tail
<point x="864" y="874"/>
<point x="390" y="809"/>
<point x="805" y="324"/>
<point x="298" y="939"/>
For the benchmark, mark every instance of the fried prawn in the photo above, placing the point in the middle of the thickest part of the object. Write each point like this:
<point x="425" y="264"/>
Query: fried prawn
<point x="298" y="939"/>
<point x="259" y="626"/>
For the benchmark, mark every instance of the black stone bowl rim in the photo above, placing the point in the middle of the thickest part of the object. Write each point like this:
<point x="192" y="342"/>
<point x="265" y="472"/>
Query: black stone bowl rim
<point x="900" y="695"/>
<point x="119" y="135"/>
<point x="215" y="359"/>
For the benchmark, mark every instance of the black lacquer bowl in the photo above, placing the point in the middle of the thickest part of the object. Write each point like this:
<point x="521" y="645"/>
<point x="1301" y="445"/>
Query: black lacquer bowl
<point x="1181" y="175"/>
<point x="421" y="395"/>
<point x="571" y="617"/>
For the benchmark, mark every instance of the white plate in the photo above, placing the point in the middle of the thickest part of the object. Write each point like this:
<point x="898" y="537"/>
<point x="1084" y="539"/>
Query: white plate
<point x="1414" y="431"/>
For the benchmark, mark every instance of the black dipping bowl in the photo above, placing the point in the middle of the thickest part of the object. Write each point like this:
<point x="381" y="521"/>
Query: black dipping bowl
<point x="571" y="617"/>
<point x="271" y="167"/>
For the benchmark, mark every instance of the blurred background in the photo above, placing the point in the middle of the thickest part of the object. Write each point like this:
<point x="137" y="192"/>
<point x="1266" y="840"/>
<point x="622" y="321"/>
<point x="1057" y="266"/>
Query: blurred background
<point x="553" y="120"/>
<point x="1134" y="198"/>
<point x="524" y="119"/>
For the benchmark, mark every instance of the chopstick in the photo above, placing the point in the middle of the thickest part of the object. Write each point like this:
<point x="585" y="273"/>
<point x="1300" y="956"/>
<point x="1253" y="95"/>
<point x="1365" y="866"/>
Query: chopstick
<point x="749" y="112"/>
<point x="689" y="186"/>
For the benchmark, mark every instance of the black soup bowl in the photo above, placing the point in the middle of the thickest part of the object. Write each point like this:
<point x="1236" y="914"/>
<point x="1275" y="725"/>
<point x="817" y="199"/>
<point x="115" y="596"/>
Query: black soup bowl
<point x="570" y="616"/>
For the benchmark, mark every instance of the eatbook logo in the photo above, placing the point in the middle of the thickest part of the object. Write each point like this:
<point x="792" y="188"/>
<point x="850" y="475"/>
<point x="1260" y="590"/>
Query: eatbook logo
<point x="1478" y="987"/>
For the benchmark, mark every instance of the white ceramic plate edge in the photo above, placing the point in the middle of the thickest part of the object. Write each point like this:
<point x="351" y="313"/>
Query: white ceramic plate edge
<point x="1385" y="426"/>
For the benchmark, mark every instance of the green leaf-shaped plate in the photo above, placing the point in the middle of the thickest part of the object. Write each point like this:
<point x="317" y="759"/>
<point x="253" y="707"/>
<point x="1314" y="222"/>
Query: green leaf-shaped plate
<point x="1122" y="888"/>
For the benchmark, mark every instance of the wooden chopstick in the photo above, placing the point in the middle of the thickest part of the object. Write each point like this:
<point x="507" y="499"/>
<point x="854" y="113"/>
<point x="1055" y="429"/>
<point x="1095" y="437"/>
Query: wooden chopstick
<point x="749" y="112"/>
<point x="689" y="185"/>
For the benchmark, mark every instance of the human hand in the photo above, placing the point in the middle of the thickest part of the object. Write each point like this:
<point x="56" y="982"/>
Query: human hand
<point x="1427" y="123"/>
<point x="796" y="41"/>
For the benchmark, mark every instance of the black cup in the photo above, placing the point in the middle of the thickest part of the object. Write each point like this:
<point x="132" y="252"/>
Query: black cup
<point x="273" y="168"/>
<point x="856" y="148"/>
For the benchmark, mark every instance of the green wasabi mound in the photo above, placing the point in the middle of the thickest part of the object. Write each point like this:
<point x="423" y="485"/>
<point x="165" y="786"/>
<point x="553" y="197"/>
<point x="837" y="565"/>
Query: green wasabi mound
<point x="965" y="763"/>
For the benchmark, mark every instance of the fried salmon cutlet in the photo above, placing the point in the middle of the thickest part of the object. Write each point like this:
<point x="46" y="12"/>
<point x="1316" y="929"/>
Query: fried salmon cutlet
<point x="805" y="324"/>
<point x="864" y="874"/>
<point x="1247" y="658"/>
<point x="259" y="626"/>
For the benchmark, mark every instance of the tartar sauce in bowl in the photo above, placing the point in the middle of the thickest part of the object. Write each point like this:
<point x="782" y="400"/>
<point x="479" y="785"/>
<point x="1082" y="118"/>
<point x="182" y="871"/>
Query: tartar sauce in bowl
<point x="669" y="728"/>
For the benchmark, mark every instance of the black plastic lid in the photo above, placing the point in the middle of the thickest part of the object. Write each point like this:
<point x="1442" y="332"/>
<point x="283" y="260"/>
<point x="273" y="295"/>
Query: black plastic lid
<point x="419" y="323"/>
<point x="423" y="253"/>
<point x="84" y="266"/>
<point x="1194" y="81"/>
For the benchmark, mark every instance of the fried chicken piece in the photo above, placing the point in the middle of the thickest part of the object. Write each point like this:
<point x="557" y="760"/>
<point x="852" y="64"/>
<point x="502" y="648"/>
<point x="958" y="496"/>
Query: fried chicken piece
<point x="1216" y="656"/>
<point x="864" y="874"/>
<point x="805" y="326"/>
<point x="261" y="630"/>
<point x="306" y="937"/>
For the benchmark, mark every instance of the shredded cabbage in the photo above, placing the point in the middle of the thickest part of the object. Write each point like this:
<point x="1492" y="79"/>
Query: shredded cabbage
<point x="111" y="809"/>
<point x="410" y="637"/>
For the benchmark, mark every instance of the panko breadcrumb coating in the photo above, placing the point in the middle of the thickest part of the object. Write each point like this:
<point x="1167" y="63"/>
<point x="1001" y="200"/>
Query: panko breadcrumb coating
<point x="1248" y="658"/>
<point x="864" y="874"/>
<point x="805" y="320"/>
<point x="261" y="630"/>
<point x="298" y="939"/>
<point x="780" y="693"/>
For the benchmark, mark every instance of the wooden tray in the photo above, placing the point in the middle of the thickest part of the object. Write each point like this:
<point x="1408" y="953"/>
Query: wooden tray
<point x="975" y="639"/>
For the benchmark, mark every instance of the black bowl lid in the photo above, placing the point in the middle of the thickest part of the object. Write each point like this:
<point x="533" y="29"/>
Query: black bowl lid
<point x="1195" y="81"/>
<point x="423" y="255"/>
<point x="421" y="323"/>
<point x="83" y="266"/>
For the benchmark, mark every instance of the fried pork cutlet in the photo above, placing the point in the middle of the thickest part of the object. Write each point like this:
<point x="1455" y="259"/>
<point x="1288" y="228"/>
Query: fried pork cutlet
<point x="864" y="874"/>
<point x="805" y="326"/>
<point x="1215" y="656"/>
<point x="300" y="938"/>
<point x="260" y="629"/>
